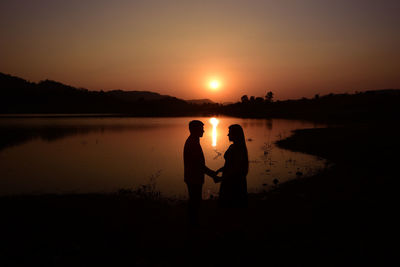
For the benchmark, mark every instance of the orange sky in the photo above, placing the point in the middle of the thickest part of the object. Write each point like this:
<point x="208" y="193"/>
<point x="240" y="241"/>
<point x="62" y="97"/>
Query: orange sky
<point x="293" y="48"/>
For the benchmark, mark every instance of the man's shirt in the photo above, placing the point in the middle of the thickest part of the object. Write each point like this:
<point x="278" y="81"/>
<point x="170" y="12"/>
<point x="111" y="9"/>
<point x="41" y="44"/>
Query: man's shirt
<point x="193" y="160"/>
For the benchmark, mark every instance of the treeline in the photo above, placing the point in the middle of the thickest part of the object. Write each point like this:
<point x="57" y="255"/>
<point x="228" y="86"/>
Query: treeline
<point x="368" y="105"/>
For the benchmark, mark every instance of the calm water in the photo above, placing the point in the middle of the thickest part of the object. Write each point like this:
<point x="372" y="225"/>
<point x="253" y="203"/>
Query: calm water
<point x="77" y="155"/>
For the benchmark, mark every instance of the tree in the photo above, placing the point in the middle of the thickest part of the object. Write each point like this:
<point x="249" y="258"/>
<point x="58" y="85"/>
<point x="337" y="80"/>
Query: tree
<point x="252" y="99"/>
<point x="245" y="99"/>
<point x="269" y="96"/>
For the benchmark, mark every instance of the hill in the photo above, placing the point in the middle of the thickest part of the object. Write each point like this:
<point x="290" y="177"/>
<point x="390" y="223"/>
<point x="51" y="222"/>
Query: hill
<point x="20" y="96"/>
<point x="136" y="95"/>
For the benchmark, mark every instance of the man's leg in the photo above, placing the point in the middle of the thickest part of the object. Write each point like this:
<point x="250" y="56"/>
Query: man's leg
<point x="195" y="196"/>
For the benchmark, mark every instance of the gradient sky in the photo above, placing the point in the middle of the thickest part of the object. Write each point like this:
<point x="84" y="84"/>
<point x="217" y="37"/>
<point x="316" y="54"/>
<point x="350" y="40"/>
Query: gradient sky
<point x="293" y="48"/>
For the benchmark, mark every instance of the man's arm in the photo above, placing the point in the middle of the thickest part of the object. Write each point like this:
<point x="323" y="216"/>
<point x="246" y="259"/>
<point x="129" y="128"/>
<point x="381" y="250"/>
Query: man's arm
<point x="209" y="172"/>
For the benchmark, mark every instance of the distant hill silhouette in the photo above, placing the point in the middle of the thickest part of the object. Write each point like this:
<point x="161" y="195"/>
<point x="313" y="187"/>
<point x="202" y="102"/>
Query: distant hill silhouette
<point x="20" y="96"/>
<point x="136" y="95"/>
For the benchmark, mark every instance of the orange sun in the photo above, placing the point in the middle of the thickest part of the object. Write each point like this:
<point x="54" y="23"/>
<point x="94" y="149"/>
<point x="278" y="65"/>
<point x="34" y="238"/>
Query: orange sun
<point x="214" y="84"/>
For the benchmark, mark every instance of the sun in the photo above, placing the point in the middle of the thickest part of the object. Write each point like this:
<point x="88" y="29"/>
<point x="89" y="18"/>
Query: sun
<point x="214" y="84"/>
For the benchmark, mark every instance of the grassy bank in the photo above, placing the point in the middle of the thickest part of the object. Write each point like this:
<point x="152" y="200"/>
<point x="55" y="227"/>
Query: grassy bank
<point x="357" y="197"/>
<point x="123" y="230"/>
<point x="343" y="216"/>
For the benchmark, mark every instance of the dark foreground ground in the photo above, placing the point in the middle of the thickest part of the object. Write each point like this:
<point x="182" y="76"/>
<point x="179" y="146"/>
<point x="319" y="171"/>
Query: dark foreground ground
<point x="344" y="216"/>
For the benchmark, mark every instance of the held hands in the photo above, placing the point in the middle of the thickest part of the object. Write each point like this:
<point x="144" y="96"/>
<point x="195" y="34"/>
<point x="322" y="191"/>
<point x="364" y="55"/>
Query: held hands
<point x="215" y="176"/>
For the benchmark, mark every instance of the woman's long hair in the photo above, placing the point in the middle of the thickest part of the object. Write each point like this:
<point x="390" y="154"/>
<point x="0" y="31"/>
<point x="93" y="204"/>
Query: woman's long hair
<point x="239" y="140"/>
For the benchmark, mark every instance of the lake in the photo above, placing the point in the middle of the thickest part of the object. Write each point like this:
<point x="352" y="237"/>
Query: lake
<point x="104" y="154"/>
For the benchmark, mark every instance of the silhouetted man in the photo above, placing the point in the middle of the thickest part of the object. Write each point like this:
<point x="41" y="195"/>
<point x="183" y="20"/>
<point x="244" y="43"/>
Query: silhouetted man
<point x="195" y="168"/>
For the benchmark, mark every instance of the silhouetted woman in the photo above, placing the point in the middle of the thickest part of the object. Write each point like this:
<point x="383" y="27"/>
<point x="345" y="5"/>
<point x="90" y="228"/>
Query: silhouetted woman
<point x="233" y="189"/>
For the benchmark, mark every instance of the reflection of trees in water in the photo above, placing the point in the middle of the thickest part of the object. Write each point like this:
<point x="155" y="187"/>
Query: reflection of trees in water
<point x="258" y="123"/>
<point x="17" y="135"/>
<point x="268" y="124"/>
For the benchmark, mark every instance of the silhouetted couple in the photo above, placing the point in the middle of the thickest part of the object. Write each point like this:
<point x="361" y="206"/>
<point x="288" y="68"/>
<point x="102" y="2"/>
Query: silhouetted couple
<point x="233" y="189"/>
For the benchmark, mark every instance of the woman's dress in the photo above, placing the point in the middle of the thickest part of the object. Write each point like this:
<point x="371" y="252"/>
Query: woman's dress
<point x="233" y="189"/>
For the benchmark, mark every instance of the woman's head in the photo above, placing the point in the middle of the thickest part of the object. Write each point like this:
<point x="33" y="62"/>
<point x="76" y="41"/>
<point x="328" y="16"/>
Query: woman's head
<point x="236" y="134"/>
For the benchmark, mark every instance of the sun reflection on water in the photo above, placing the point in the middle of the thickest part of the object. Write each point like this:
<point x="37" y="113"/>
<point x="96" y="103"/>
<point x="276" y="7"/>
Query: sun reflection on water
<point x="214" y="122"/>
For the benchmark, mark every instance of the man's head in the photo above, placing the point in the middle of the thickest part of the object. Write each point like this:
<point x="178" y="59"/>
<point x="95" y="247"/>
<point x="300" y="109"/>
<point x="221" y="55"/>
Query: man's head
<point x="196" y="128"/>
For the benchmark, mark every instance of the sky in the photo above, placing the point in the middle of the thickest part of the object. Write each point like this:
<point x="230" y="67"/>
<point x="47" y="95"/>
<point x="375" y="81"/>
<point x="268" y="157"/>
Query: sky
<point x="295" y="48"/>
